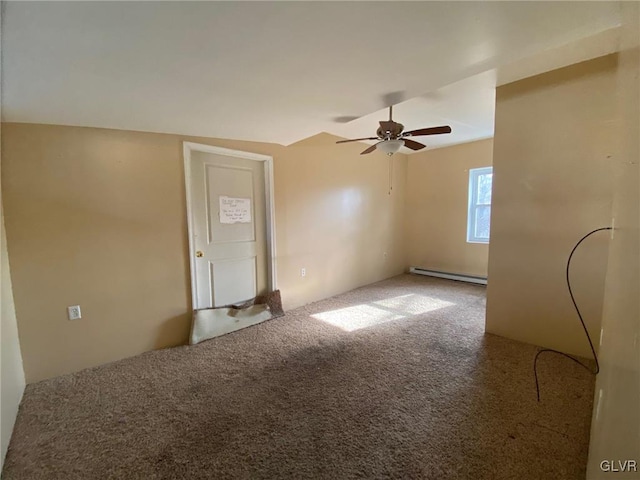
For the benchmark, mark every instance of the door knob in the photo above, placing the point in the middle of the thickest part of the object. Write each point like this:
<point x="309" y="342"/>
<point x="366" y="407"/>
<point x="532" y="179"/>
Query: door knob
<point x="199" y="254"/>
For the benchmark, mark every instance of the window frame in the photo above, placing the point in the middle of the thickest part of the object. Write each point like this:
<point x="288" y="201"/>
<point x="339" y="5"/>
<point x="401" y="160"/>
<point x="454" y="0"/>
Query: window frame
<point x="474" y="174"/>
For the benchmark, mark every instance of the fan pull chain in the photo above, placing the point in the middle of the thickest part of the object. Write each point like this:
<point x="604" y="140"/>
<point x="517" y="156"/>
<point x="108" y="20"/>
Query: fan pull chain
<point x="390" y="174"/>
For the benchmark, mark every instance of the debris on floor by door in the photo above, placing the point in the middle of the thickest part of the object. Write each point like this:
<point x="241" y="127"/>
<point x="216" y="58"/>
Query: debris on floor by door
<point x="212" y="322"/>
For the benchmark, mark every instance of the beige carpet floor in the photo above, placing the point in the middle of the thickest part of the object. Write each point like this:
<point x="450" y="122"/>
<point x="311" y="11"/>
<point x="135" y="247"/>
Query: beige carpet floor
<point x="393" y="380"/>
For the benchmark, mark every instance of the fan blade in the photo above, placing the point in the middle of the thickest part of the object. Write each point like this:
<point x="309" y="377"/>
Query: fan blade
<point x="345" y="118"/>
<point x="357" y="139"/>
<point x="393" y="98"/>
<point x="428" y="131"/>
<point x="370" y="149"/>
<point x="413" y="145"/>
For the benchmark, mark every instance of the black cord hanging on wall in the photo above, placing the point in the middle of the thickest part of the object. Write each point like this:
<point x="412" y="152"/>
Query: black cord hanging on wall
<point x="584" y="327"/>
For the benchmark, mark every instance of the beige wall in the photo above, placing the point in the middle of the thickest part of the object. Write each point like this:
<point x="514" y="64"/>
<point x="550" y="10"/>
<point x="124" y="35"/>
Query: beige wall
<point x="335" y="218"/>
<point x="555" y="143"/>
<point x="11" y="371"/>
<point x="437" y="203"/>
<point x="98" y="218"/>
<point x="12" y="380"/>
<point x="615" y="428"/>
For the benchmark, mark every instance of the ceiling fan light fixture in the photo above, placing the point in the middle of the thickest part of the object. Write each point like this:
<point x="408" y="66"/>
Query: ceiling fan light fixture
<point x="390" y="146"/>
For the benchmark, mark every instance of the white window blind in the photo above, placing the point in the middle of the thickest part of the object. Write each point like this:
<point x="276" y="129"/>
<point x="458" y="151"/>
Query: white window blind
<point x="479" y="215"/>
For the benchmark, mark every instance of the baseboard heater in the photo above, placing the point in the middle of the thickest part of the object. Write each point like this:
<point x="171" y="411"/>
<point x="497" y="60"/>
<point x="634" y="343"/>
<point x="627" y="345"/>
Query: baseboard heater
<point x="450" y="276"/>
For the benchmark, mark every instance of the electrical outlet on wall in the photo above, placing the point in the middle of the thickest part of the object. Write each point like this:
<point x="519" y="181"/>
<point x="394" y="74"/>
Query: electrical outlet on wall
<point x="303" y="272"/>
<point x="73" y="312"/>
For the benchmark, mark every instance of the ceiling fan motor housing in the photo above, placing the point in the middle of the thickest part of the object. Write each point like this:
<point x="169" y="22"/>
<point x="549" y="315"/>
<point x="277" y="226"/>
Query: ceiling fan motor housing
<point x="389" y="130"/>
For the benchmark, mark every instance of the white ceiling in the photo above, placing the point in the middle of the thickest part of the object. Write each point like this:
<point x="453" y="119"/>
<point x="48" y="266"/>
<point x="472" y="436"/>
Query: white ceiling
<point x="283" y="71"/>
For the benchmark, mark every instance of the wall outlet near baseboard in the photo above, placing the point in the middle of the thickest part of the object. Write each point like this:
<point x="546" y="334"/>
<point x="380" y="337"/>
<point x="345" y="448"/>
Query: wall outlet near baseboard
<point x="74" y="313"/>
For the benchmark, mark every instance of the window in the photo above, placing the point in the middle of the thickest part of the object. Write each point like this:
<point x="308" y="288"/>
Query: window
<point x="479" y="217"/>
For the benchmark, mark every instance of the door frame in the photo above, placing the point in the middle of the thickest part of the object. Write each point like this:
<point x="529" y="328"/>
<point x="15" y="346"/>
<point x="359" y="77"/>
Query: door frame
<point x="267" y="160"/>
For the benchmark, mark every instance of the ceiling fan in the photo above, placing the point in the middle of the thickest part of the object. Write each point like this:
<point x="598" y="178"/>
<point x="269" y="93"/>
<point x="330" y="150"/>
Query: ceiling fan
<point x="392" y="137"/>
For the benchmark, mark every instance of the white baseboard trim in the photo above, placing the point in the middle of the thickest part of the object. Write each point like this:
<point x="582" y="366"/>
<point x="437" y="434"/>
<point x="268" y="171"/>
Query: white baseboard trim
<point x="450" y="276"/>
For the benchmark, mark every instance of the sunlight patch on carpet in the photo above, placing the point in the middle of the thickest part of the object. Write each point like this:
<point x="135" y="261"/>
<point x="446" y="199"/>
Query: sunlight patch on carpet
<point x="381" y="311"/>
<point x="357" y="317"/>
<point x="413" y="304"/>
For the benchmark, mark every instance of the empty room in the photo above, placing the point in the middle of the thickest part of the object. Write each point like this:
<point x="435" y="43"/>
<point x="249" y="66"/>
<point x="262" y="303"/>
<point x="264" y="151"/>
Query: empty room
<point x="337" y="240"/>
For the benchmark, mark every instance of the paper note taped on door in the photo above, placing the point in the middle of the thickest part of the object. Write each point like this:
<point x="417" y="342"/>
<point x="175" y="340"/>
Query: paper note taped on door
<point x="235" y="210"/>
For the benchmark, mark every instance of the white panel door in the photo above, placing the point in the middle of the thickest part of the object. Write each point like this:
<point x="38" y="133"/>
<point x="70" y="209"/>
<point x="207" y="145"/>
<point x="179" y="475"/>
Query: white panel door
<point x="228" y="227"/>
